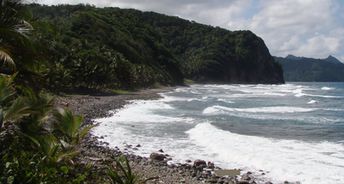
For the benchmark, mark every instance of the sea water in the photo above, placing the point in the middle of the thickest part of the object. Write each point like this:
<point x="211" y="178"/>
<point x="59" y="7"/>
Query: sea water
<point x="293" y="132"/>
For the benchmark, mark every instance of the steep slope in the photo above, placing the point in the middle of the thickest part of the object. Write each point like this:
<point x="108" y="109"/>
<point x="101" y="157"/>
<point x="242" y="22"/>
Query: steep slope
<point x="295" y="68"/>
<point x="129" y="48"/>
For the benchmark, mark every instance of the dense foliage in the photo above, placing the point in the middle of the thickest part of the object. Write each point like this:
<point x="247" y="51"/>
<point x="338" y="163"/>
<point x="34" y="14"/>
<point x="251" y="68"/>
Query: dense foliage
<point x="312" y="70"/>
<point x="122" y="48"/>
<point x="39" y="143"/>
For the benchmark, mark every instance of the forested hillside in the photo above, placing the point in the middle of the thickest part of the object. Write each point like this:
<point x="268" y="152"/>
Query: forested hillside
<point x="312" y="70"/>
<point x="88" y="47"/>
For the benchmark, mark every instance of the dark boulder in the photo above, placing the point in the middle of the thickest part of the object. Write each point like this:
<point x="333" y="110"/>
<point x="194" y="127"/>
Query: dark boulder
<point x="157" y="157"/>
<point x="199" y="162"/>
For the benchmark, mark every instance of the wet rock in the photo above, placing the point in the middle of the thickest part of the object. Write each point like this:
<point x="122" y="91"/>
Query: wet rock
<point x="246" y="177"/>
<point x="161" y="151"/>
<point x="138" y="146"/>
<point x="243" y="182"/>
<point x="157" y="157"/>
<point x="212" y="180"/>
<point x="188" y="161"/>
<point x="198" y="163"/>
<point x="211" y="165"/>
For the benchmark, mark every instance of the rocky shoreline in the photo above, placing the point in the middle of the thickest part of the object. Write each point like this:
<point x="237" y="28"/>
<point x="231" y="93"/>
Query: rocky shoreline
<point x="155" y="169"/>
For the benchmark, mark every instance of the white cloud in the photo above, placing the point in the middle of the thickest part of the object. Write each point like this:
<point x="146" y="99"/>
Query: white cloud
<point x="301" y="27"/>
<point x="311" y="28"/>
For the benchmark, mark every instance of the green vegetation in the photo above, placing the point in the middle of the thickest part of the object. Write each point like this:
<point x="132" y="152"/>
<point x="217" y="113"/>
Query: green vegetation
<point x="312" y="70"/>
<point x="71" y="48"/>
<point x="121" y="173"/>
<point x="97" y="48"/>
<point x="39" y="143"/>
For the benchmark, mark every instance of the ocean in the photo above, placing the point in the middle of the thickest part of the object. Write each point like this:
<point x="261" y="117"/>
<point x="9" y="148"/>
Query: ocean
<point x="294" y="132"/>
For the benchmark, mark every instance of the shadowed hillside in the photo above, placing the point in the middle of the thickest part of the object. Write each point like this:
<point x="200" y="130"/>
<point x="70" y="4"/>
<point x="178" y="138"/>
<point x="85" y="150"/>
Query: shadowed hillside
<point x="123" y="48"/>
<point x="304" y="69"/>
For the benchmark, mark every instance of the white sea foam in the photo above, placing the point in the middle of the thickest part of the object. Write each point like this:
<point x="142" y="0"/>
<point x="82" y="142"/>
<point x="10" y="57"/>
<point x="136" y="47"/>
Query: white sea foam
<point x="312" y="102"/>
<point x="291" y="160"/>
<point x="225" y="100"/>
<point x="142" y="110"/>
<point x="159" y="124"/>
<point x="298" y="92"/>
<point x="326" y="88"/>
<point x="216" y="109"/>
<point x="324" y="96"/>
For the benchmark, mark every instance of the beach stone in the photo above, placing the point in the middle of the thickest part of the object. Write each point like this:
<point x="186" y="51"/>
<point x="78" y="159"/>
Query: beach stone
<point x="157" y="157"/>
<point x="211" y="180"/>
<point x="268" y="182"/>
<point x="199" y="162"/>
<point x="227" y="172"/>
<point x="243" y="182"/>
<point x="246" y="177"/>
<point x="211" y="165"/>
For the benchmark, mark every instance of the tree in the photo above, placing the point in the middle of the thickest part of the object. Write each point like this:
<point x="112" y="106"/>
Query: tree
<point x="14" y="32"/>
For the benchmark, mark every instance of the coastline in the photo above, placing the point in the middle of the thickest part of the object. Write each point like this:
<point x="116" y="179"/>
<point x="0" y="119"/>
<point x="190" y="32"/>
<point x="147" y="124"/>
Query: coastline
<point x="156" y="171"/>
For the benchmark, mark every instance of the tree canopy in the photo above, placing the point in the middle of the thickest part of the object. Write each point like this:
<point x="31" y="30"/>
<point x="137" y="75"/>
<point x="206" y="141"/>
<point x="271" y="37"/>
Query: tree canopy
<point x="91" y="47"/>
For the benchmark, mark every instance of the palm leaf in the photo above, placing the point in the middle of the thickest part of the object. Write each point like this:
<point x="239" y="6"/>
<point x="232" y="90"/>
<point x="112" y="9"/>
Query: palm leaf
<point x="7" y="61"/>
<point x="122" y="174"/>
<point x="1" y="118"/>
<point x="67" y="156"/>
<point x="6" y="90"/>
<point x="17" y="110"/>
<point x="11" y="22"/>
<point x="83" y="132"/>
<point x="67" y="123"/>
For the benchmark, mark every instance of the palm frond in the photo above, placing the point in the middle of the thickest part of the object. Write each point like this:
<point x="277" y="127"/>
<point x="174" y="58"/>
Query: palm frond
<point x="83" y="132"/>
<point x="67" y="123"/>
<point x="17" y="110"/>
<point x="7" y="90"/>
<point x="122" y="173"/>
<point x="7" y="63"/>
<point x="1" y="117"/>
<point x="11" y="20"/>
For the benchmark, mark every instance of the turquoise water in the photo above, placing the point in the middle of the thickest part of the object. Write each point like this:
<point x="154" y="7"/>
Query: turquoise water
<point x="294" y="131"/>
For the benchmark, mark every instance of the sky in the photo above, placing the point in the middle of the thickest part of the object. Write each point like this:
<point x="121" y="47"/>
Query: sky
<point x="309" y="28"/>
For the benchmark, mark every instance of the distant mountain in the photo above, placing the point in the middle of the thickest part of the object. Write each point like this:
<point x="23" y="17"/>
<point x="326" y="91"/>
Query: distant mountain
<point x="305" y="69"/>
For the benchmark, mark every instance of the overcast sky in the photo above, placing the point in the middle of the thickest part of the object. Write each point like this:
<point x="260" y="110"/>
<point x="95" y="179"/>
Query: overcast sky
<point x="311" y="28"/>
